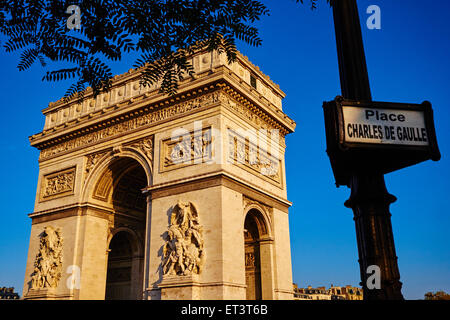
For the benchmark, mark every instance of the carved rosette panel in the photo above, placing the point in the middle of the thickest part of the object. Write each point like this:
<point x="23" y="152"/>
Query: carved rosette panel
<point x="244" y="153"/>
<point x="48" y="262"/>
<point x="58" y="184"/>
<point x="183" y="252"/>
<point x="193" y="148"/>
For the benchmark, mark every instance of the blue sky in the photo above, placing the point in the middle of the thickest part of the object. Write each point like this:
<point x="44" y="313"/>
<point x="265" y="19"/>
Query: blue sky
<point x="408" y="61"/>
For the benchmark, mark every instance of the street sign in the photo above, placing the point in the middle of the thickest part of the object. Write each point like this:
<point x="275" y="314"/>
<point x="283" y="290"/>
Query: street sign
<point x="380" y="136"/>
<point x="384" y="126"/>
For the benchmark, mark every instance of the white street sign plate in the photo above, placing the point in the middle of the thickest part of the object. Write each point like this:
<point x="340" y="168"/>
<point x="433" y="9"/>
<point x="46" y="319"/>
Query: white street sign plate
<point x="384" y="126"/>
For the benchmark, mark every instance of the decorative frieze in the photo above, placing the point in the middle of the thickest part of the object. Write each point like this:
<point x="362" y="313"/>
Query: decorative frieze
<point x="192" y="148"/>
<point x="127" y="86"/>
<point x="249" y="112"/>
<point x="131" y="124"/>
<point x="58" y="184"/>
<point x="243" y="152"/>
<point x="48" y="262"/>
<point x="183" y="252"/>
<point x="229" y="98"/>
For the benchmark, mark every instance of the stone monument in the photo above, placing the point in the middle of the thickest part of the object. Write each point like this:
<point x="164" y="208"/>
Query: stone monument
<point x="147" y="196"/>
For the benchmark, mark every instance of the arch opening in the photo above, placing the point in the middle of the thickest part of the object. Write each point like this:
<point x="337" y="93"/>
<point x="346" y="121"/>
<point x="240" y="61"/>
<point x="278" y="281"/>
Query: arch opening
<point x="119" y="188"/>
<point x="254" y="229"/>
<point x="118" y="277"/>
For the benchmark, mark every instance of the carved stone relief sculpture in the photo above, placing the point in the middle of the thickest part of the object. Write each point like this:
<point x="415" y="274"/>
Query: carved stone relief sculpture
<point x="250" y="261"/>
<point x="130" y="124"/>
<point x="91" y="161"/>
<point x="48" y="262"/>
<point x="146" y="146"/>
<point x="190" y="149"/>
<point x="183" y="252"/>
<point x="243" y="152"/>
<point x="58" y="184"/>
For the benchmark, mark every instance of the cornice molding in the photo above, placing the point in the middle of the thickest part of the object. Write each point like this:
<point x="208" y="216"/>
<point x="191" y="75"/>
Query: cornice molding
<point x="218" y="178"/>
<point x="142" y="114"/>
<point x="135" y="74"/>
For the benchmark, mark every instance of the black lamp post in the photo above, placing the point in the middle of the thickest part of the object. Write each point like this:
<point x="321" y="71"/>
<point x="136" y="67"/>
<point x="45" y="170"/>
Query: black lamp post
<point x="369" y="197"/>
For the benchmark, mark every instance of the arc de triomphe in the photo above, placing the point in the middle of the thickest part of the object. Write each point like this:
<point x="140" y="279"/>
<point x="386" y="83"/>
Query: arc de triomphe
<point x="147" y="196"/>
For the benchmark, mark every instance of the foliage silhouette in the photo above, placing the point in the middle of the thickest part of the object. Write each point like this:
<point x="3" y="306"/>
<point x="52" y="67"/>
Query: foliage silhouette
<point x="163" y="32"/>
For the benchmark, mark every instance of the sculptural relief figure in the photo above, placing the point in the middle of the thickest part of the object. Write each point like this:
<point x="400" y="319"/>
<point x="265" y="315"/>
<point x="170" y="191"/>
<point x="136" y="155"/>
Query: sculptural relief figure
<point x="183" y="252"/>
<point x="48" y="263"/>
<point x="181" y="152"/>
<point x="61" y="183"/>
